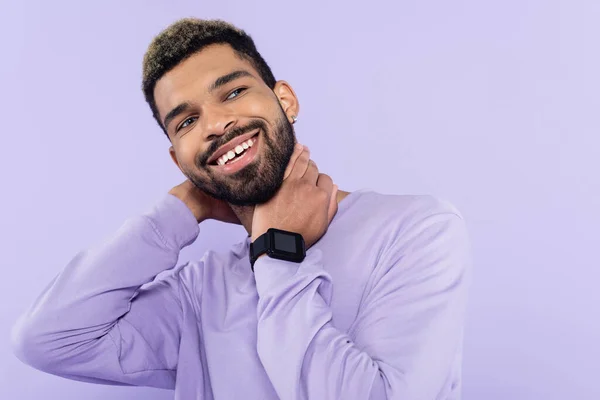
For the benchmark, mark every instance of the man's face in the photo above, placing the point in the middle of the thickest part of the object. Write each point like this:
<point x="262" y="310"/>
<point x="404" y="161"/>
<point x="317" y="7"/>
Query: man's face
<point x="203" y="108"/>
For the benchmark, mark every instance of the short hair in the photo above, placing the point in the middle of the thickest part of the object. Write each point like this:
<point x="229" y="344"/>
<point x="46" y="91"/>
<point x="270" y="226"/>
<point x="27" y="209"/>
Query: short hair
<point x="188" y="36"/>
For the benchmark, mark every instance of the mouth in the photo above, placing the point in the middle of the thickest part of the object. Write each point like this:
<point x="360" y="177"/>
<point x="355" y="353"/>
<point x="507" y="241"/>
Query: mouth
<point x="237" y="155"/>
<point x="233" y="149"/>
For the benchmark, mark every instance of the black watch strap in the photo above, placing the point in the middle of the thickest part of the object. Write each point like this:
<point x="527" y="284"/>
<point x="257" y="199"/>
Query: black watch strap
<point x="278" y="244"/>
<point x="258" y="248"/>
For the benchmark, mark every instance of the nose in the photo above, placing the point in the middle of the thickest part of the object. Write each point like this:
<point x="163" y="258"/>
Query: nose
<point x="217" y="120"/>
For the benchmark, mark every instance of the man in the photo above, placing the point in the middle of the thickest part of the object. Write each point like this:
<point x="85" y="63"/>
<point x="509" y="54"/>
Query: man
<point x="333" y="295"/>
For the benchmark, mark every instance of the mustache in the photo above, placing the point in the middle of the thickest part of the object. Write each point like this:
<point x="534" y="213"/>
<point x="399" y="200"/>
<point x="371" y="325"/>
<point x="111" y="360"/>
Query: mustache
<point x="232" y="134"/>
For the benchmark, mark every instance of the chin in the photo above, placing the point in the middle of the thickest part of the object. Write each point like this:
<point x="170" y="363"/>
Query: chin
<point x="259" y="195"/>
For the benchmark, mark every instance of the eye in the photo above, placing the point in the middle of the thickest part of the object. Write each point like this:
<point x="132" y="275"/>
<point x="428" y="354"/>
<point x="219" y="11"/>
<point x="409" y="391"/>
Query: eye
<point x="238" y="90"/>
<point x="186" y="122"/>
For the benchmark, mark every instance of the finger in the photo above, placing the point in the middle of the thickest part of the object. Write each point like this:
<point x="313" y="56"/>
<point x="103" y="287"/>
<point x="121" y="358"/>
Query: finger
<point x="325" y="182"/>
<point x="333" y="204"/>
<point x="312" y="172"/>
<point x="301" y="165"/>
<point x="298" y="148"/>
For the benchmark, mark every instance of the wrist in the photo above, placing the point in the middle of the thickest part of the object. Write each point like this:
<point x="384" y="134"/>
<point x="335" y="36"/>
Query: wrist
<point x="197" y="211"/>
<point x="256" y="234"/>
<point x="278" y="244"/>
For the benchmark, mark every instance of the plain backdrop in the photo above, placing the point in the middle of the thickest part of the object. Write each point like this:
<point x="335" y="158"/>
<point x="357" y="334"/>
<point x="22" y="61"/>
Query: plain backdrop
<point x="493" y="105"/>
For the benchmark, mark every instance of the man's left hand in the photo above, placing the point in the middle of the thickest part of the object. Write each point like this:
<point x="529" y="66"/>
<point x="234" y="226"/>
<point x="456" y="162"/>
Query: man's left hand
<point x="306" y="202"/>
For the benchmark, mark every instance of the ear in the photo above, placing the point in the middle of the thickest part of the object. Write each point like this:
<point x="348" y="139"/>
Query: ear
<point x="287" y="98"/>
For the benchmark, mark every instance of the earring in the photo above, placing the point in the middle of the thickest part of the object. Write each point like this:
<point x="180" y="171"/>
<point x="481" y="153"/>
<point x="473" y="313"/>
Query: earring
<point x="294" y="119"/>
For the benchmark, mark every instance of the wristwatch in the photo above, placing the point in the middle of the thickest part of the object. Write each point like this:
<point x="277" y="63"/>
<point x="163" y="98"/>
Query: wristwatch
<point x="279" y="244"/>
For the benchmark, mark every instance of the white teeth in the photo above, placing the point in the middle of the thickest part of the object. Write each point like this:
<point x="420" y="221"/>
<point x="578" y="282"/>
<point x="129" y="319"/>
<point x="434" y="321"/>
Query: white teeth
<point x="237" y="150"/>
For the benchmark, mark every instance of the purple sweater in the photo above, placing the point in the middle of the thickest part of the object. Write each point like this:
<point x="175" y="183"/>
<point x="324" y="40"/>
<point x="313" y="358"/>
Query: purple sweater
<point x="375" y="311"/>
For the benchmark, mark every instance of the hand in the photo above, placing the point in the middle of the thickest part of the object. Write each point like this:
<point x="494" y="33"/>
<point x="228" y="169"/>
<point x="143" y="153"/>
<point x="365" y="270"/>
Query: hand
<point x="202" y="205"/>
<point x="306" y="202"/>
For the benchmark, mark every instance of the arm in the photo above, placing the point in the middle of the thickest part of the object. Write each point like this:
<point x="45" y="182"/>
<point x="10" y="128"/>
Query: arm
<point x="94" y="323"/>
<point x="407" y="332"/>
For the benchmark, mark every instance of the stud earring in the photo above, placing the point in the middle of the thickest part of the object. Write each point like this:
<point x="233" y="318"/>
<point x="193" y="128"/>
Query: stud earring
<point x="294" y="119"/>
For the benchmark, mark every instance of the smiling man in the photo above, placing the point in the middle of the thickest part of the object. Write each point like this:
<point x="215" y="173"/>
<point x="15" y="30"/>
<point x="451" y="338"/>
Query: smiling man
<point x="218" y="164"/>
<point x="332" y="295"/>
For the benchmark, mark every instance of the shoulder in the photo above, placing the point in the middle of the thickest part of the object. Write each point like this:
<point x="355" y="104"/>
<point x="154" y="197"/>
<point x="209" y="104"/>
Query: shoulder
<point x="404" y="207"/>
<point x="398" y="217"/>
<point x="416" y="232"/>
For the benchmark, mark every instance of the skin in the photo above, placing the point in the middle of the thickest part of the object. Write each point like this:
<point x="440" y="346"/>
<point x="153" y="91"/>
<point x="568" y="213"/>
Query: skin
<point x="214" y="118"/>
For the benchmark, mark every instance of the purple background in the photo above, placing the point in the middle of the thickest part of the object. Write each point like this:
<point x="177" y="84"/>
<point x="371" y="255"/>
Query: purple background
<point x="493" y="105"/>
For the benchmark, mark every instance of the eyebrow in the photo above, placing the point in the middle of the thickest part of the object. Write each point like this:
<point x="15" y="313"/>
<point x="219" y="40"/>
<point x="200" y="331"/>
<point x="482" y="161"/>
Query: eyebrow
<point x="181" y="108"/>
<point x="225" y="79"/>
<point x="219" y="82"/>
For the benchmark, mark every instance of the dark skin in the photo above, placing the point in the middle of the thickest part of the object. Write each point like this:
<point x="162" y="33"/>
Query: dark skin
<point x="212" y="118"/>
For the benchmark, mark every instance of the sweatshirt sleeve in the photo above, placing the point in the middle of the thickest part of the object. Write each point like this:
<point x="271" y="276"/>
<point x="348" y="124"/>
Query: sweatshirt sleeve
<point x="94" y="323"/>
<point x="407" y="333"/>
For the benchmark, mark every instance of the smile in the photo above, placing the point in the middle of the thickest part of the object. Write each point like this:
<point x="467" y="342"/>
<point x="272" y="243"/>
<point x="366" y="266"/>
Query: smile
<point x="238" y="156"/>
<point x="234" y="154"/>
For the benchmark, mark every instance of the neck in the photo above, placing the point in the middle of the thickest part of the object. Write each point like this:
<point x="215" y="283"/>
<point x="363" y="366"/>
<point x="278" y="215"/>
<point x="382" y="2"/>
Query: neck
<point x="246" y="213"/>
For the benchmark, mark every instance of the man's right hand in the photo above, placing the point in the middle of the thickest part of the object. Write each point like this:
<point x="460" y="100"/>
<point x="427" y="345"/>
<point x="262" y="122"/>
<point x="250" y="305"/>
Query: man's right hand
<point x="202" y="205"/>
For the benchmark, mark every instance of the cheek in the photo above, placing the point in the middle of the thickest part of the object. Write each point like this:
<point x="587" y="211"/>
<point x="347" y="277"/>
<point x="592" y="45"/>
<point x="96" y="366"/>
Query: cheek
<point x="255" y="108"/>
<point x="260" y="106"/>
<point x="186" y="156"/>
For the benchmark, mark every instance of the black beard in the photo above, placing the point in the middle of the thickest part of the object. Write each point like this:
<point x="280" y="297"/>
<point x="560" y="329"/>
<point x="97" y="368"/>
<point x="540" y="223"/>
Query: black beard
<point x="260" y="180"/>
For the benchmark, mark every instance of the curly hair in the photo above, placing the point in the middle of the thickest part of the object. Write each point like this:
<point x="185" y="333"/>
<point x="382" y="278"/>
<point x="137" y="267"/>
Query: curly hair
<point x="187" y="37"/>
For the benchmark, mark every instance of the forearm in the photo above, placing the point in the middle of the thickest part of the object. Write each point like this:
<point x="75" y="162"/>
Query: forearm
<point x="407" y="333"/>
<point x="304" y="354"/>
<point x="95" y="289"/>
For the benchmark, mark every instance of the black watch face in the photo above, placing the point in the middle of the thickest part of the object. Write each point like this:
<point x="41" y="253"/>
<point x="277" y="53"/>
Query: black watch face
<point x="285" y="242"/>
<point x="286" y="246"/>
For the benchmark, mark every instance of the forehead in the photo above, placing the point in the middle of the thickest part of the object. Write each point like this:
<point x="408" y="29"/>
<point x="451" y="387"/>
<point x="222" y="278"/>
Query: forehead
<point x="192" y="77"/>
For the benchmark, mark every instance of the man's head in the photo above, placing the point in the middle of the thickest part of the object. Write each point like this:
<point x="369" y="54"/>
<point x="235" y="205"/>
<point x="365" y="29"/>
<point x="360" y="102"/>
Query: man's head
<point x="207" y="85"/>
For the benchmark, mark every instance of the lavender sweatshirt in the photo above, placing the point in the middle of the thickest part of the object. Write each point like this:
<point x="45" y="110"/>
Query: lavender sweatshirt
<point x="375" y="311"/>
